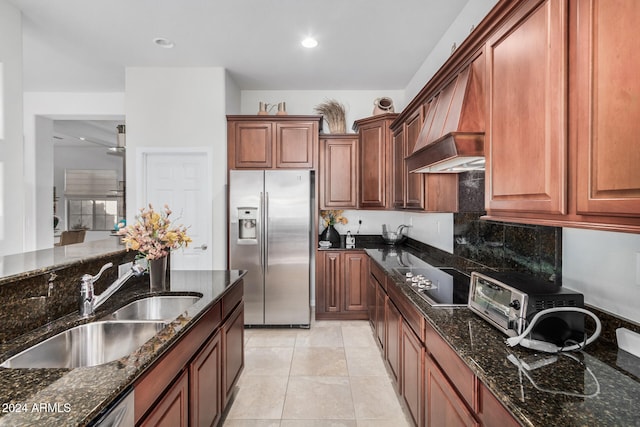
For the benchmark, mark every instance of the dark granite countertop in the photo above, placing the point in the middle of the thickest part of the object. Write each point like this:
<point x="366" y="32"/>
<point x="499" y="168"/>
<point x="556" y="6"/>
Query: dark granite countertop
<point x="76" y="396"/>
<point x="575" y="389"/>
<point x="23" y="265"/>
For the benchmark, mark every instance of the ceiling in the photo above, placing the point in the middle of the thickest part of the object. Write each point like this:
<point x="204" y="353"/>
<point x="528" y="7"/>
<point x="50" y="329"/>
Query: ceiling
<point x="86" y="133"/>
<point x="84" y="46"/>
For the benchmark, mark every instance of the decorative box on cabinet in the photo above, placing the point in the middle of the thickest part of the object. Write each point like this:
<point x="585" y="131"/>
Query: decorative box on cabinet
<point x="375" y="161"/>
<point x="341" y="285"/>
<point x="338" y="171"/>
<point x="272" y="142"/>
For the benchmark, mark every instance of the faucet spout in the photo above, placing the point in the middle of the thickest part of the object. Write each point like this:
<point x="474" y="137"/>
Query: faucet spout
<point x="89" y="301"/>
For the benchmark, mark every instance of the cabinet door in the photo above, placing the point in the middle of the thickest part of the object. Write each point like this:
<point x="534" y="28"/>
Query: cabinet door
<point x="443" y="407"/>
<point x="355" y="283"/>
<point x="414" y="182"/>
<point x="492" y="413"/>
<point x="394" y="340"/>
<point x="608" y="107"/>
<point x="399" y="170"/>
<point x="331" y="281"/>
<point x="172" y="409"/>
<point x="205" y="384"/>
<point x="526" y="135"/>
<point x="441" y="194"/>
<point x="373" y="165"/>
<point x="294" y="145"/>
<point x="252" y="145"/>
<point x="339" y="168"/>
<point x="372" y="286"/>
<point x="381" y="298"/>
<point x="233" y="351"/>
<point x="411" y="374"/>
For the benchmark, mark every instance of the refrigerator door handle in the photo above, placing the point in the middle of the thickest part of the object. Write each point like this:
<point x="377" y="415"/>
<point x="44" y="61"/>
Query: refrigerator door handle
<point x="259" y="234"/>
<point x="266" y="232"/>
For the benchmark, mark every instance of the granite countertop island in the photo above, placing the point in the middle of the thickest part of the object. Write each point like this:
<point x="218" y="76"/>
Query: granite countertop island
<point x="588" y="388"/>
<point x="73" y="397"/>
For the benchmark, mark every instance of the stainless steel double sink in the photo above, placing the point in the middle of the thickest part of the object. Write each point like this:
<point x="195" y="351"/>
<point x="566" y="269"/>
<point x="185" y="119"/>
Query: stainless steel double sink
<point x="115" y="336"/>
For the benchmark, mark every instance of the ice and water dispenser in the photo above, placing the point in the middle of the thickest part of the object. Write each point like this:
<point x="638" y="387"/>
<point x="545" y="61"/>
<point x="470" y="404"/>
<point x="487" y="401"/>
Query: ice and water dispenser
<point x="248" y="225"/>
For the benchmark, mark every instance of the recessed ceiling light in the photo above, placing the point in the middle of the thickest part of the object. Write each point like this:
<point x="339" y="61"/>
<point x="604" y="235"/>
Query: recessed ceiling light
<point x="162" y="42"/>
<point x="309" y="42"/>
<point x="82" y="138"/>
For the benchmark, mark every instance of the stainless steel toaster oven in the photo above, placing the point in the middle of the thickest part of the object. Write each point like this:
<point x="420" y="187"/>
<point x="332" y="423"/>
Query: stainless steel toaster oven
<point x="509" y="300"/>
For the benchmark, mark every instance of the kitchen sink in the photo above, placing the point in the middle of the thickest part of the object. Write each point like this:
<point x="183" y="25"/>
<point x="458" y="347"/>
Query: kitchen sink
<point x="155" y="308"/>
<point x="86" y="345"/>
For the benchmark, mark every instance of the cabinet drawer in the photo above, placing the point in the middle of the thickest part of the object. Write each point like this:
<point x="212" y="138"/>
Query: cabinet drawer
<point x="378" y="273"/>
<point x="452" y="366"/>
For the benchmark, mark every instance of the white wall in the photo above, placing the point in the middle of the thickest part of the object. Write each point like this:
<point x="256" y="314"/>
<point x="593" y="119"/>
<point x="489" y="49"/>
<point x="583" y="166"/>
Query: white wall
<point x="471" y="14"/>
<point x="358" y="103"/>
<point x="233" y="95"/>
<point x="605" y="267"/>
<point x="12" y="185"/>
<point x="38" y="152"/>
<point x="180" y="107"/>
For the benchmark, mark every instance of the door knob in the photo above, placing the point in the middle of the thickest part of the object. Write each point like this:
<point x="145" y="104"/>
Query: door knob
<point x="202" y="247"/>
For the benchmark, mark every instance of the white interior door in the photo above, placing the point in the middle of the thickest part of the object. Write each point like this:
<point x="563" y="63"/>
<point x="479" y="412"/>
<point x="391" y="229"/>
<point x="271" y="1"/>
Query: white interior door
<point x="182" y="180"/>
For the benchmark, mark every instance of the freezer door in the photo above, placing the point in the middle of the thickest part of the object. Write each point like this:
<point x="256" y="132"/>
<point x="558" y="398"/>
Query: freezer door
<point x="246" y="189"/>
<point x="287" y="248"/>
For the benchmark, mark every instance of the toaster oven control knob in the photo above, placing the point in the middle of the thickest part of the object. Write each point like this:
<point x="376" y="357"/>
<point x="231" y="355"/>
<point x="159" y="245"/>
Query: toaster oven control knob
<point x="515" y="304"/>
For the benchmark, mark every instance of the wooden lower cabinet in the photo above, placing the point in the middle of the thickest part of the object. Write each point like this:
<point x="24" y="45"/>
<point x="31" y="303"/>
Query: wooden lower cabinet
<point x="233" y="351"/>
<point x="394" y="340"/>
<point x="443" y="405"/>
<point x="206" y="385"/>
<point x="173" y="409"/>
<point x="341" y="285"/>
<point x="192" y="384"/>
<point x="411" y="374"/>
<point x="492" y="413"/>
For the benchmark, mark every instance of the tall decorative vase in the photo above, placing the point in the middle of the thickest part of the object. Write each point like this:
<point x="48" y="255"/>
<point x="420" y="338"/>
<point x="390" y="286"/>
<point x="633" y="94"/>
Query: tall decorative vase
<point x="158" y="274"/>
<point x="331" y="234"/>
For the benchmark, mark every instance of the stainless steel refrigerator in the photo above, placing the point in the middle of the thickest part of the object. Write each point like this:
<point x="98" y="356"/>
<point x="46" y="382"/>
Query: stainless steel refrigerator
<point x="270" y="237"/>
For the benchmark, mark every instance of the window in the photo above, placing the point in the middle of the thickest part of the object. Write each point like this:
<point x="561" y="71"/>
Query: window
<point x="92" y="214"/>
<point x="92" y="199"/>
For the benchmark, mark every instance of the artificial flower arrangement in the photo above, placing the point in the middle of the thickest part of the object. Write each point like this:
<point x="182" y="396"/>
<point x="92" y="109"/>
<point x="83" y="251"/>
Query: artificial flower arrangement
<point x="333" y="217"/>
<point x="152" y="235"/>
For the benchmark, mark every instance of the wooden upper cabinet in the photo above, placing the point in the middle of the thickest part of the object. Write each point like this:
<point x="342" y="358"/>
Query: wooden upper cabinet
<point x="414" y="182"/>
<point x="607" y="110"/>
<point x="375" y="161"/>
<point x="526" y="133"/>
<point x="338" y="180"/>
<point x="399" y="171"/>
<point x="267" y="142"/>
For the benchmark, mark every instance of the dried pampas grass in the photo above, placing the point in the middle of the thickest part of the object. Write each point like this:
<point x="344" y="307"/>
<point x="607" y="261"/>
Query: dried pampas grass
<point x="334" y="113"/>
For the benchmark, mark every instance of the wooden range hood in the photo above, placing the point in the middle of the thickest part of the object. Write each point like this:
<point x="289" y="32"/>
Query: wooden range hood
<point x="452" y="136"/>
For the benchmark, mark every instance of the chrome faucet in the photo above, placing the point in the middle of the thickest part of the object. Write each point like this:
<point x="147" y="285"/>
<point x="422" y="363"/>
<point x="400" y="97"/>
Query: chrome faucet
<point x="89" y="301"/>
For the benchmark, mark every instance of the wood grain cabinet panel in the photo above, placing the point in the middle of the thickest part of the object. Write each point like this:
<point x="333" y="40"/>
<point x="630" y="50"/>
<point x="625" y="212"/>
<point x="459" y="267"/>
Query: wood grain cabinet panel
<point x="394" y="341"/>
<point x="399" y="169"/>
<point x="253" y="145"/>
<point x="414" y="182"/>
<point x="526" y="136"/>
<point x="443" y="406"/>
<point x="341" y="285"/>
<point x="355" y="275"/>
<point x="233" y="352"/>
<point x="608" y="107"/>
<point x="375" y="161"/>
<point x="277" y="142"/>
<point x="339" y="172"/>
<point x="205" y="385"/>
<point x="411" y="375"/>
<point x="173" y="409"/>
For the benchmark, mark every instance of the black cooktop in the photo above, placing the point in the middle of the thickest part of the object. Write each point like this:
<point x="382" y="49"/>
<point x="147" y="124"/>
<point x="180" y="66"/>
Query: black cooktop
<point x="440" y="287"/>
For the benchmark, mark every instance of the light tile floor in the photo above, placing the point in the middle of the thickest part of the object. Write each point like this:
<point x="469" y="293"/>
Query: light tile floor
<point x="329" y="375"/>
